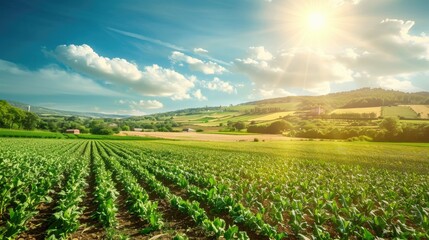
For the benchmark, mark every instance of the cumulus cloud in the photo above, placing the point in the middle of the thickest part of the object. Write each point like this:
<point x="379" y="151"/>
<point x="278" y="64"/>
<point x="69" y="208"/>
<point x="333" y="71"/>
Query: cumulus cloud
<point x="49" y="80"/>
<point x="200" y="50"/>
<point x="279" y="92"/>
<point x="83" y="58"/>
<point x="218" y="85"/>
<point x="390" y="50"/>
<point x="136" y="107"/>
<point x="259" y="53"/>
<point x="198" y="95"/>
<point x="389" y="53"/>
<point x="158" y="81"/>
<point x="196" y="64"/>
<point x="150" y="104"/>
<point x="384" y="55"/>
<point x="311" y="70"/>
<point x="396" y="84"/>
<point x="151" y="81"/>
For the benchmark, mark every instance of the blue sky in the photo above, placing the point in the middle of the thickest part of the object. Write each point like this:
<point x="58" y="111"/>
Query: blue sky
<point x="140" y="57"/>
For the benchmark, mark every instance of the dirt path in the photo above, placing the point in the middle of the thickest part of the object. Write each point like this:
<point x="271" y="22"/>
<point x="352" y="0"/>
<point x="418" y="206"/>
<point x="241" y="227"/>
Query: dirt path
<point x="194" y="136"/>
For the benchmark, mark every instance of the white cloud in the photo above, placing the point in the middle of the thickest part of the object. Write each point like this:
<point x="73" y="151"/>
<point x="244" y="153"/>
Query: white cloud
<point x="83" y="58"/>
<point x="396" y="84"/>
<point x="262" y="93"/>
<point x="158" y="81"/>
<point x="389" y="50"/>
<point x="218" y="85"/>
<point x="259" y="53"/>
<point x="150" y="104"/>
<point x="380" y="55"/>
<point x="135" y="107"/>
<point x="152" y="81"/>
<point x="49" y="80"/>
<point x="196" y="64"/>
<point x="198" y="95"/>
<point x="200" y="50"/>
<point x="311" y="70"/>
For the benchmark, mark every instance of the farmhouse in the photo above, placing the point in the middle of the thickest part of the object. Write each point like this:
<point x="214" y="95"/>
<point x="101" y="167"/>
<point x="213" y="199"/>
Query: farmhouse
<point x="73" y="131"/>
<point x="138" y="129"/>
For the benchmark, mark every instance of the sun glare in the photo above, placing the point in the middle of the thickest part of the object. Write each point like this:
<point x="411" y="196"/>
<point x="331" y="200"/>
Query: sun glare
<point x="316" y="21"/>
<point x="317" y="24"/>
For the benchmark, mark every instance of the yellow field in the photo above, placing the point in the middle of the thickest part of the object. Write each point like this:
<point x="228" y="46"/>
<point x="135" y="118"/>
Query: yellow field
<point x="422" y="109"/>
<point x="273" y="116"/>
<point x="376" y="110"/>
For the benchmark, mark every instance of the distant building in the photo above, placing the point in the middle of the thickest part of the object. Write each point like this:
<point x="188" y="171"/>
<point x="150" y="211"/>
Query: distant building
<point x="189" y="130"/>
<point x="73" y="131"/>
<point x="138" y="129"/>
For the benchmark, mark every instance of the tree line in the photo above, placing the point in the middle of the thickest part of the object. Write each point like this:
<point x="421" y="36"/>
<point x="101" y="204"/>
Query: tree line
<point x="15" y="118"/>
<point x="12" y="117"/>
<point x="389" y="129"/>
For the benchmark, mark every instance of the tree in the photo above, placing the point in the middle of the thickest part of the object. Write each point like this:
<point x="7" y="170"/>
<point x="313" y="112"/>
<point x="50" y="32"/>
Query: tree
<point x="279" y="127"/>
<point x="17" y="116"/>
<point x="100" y="127"/>
<point x="239" y="126"/>
<point x="30" y="121"/>
<point x="391" y="125"/>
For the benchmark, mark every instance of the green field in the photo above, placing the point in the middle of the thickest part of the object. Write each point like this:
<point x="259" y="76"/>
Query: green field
<point x="376" y="110"/>
<point x="93" y="189"/>
<point x="29" y="134"/>
<point x="44" y="134"/>
<point x="399" y="111"/>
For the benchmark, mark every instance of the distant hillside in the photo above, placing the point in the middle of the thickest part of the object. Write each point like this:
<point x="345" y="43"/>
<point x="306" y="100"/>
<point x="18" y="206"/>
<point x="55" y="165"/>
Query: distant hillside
<point x="364" y="97"/>
<point x="48" y="111"/>
<point x="360" y="98"/>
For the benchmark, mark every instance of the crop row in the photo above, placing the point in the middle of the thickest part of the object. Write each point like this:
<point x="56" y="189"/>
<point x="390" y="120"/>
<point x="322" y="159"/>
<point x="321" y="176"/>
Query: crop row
<point x="27" y="185"/>
<point x="307" y="198"/>
<point x="227" y="194"/>
<point x="217" y="226"/>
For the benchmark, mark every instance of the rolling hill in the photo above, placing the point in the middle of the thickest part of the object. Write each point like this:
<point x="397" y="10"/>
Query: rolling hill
<point x="48" y="111"/>
<point x="364" y="97"/>
<point x="360" y="98"/>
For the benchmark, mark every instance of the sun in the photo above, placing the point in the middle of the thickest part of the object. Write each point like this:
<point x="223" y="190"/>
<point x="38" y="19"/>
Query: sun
<point x="317" y="24"/>
<point x="316" y="21"/>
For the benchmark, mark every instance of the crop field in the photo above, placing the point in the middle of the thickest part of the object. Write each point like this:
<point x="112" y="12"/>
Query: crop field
<point x="376" y="110"/>
<point x="423" y="110"/>
<point x="101" y="189"/>
<point x="399" y="111"/>
<point x="273" y="116"/>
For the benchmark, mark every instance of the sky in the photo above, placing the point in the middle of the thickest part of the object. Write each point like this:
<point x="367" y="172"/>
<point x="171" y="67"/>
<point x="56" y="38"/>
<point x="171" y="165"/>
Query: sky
<point x="141" y="57"/>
